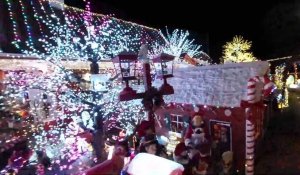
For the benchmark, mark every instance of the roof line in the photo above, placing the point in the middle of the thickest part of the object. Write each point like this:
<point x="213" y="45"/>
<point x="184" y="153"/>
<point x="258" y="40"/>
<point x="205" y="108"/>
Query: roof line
<point x="101" y="15"/>
<point x="21" y="56"/>
<point x="280" y="58"/>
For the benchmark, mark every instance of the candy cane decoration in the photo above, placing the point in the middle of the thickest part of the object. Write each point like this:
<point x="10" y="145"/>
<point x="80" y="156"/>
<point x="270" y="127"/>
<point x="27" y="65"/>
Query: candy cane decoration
<point x="250" y="145"/>
<point x="252" y="88"/>
<point x="268" y="85"/>
<point x="250" y="127"/>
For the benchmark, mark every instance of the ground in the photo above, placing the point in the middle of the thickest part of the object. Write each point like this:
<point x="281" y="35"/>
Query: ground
<point x="281" y="147"/>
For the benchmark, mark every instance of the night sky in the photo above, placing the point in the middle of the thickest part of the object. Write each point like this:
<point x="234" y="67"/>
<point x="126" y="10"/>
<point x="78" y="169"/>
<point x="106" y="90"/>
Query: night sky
<point x="273" y="27"/>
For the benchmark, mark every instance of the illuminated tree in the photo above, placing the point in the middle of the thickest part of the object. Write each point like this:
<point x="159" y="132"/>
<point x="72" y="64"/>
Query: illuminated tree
<point x="178" y="43"/>
<point x="279" y="81"/>
<point x="238" y="50"/>
<point x="75" y="36"/>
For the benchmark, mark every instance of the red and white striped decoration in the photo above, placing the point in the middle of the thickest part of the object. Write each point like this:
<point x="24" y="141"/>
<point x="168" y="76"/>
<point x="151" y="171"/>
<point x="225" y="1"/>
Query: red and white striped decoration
<point x="268" y="85"/>
<point x="253" y="97"/>
<point x="250" y="145"/>
<point x="252" y="88"/>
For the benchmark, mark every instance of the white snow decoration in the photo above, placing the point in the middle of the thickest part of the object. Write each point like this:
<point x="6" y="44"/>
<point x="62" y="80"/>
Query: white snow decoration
<point x="227" y="112"/>
<point x="148" y="164"/>
<point x="214" y="85"/>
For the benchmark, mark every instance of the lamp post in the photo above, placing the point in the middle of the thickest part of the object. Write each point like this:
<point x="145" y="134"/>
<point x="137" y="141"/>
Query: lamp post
<point x="126" y="63"/>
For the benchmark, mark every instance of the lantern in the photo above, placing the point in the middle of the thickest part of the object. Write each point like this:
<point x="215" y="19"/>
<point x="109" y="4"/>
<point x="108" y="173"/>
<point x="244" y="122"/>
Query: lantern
<point x="164" y="65"/>
<point x="164" y="69"/>
<point x="125" y="64"/>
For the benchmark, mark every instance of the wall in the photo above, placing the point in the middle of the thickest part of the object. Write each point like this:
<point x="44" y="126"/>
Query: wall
<point x="236" y="119"/>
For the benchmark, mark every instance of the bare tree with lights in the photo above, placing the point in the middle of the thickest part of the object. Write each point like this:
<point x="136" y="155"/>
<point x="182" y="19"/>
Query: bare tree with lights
<point x="178" y="43"/>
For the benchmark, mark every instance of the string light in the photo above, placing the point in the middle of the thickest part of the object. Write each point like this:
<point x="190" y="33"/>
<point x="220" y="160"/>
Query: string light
<point x="36" y="16"/>
<point x="119" y="34"/>
<point x="101" y="15"/>
<point x="281" y="58"/>
<point x="296" y="71"/>
<point x="14" y="23"/>
<point x="29" y="32"/>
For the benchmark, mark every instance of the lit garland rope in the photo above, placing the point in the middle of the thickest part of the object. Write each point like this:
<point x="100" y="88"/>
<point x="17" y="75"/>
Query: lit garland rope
<point x="29" y="32"/>
<point x="36" y="14"/>
<point x="14" y="23"/>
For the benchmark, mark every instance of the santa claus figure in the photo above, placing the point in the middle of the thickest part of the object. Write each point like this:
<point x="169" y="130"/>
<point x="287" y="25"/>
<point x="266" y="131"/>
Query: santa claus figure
<point x="195" y="134"/>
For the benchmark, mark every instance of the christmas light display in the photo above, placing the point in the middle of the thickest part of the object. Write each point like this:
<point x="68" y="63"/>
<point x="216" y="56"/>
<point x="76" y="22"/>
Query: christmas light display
<point x="279" y="70"/>
<point x="115" y="36"/>
<point x="61" y="110"/>
<point x="70" y="101"/>
<point x="238" y="51"/>
<point x="282" y="96"/>
<point x="296" y="71"/>
<point x="178" y="43"/>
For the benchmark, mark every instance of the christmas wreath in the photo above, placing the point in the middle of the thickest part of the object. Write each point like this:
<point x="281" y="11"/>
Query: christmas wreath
<point x="152" y="98"/>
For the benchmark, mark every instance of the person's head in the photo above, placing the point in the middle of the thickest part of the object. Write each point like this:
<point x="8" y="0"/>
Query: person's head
<point x="122" y="149"/>
<point x="146" y="128"/>
<point x="149" y="131"/>
<point x="150" y="144"/>
<point x="151" y="148"/>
